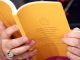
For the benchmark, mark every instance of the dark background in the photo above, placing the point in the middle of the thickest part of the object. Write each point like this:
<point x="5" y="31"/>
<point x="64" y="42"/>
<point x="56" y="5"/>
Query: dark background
<point x="72" y="14"/>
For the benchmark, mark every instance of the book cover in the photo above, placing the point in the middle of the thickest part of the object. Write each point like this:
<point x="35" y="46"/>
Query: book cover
<point x="43" y="21"/>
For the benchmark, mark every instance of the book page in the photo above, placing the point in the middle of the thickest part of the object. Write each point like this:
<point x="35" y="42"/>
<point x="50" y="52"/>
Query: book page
<point x="6" y="14"/>
<point x="46" y="23"/>
<point x="7" y="10"/>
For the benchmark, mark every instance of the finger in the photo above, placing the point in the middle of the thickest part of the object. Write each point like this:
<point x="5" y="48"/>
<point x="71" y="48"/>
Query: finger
<point x="9" y="31"/>
<point x="23" y="48"/>
<point x="75" y="33"/>
<point x="74" y="50"/>
<point x="71" y="41"/>
<point x="27" y="55"/>
<point x="72" y="56"/>
<point x="17" y="42"/>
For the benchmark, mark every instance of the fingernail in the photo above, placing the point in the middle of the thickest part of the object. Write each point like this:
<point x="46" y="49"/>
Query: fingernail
<point x="76" y="28"/>
<point x="32" y="43"/>
<point x="36" y="51"/>
<point x="24" y="38"/>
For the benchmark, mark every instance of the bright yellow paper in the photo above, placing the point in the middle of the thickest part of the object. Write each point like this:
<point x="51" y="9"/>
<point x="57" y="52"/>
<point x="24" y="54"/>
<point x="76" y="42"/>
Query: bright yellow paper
<point x="46" y="23"/>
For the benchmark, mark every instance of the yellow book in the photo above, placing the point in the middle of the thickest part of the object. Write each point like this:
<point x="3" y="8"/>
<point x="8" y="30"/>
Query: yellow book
<point x="43" y="21"/>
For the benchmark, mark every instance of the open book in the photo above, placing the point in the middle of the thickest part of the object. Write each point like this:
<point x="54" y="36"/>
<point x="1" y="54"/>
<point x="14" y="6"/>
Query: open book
<point x="43" y="21"/>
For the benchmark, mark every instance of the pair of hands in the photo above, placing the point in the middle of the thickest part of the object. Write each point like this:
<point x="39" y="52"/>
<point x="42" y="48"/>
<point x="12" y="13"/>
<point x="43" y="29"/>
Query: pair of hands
<point x="20" y="46"/>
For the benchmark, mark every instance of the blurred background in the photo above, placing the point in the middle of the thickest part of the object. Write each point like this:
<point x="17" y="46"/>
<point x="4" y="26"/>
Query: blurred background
<point x="71" y="7"/>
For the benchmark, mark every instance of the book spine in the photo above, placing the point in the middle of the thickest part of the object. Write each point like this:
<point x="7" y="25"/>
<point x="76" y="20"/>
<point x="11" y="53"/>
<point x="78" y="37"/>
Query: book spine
<point x="19" y="25"/>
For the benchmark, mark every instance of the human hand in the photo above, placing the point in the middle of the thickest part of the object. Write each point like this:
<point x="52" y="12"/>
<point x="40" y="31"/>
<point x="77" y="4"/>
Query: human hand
<point x="18" y="46"/>
<point x="72" y="39"/>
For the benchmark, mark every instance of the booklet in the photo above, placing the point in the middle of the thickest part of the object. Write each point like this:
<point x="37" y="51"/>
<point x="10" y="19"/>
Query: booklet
<point x="43" y="21"/>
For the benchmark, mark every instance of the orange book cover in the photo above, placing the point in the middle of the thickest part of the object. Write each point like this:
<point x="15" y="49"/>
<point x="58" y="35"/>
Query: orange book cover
<point x="43" y="21"/>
